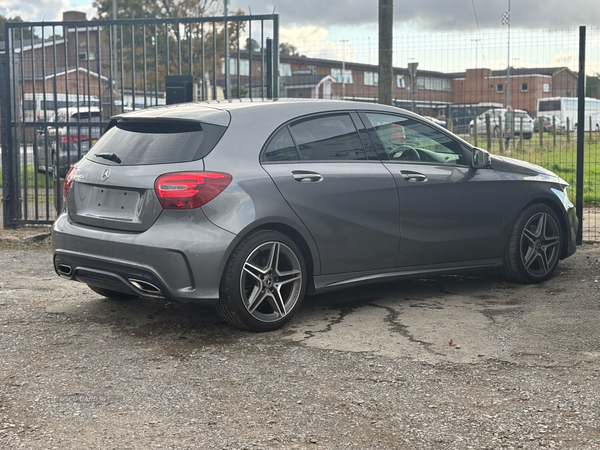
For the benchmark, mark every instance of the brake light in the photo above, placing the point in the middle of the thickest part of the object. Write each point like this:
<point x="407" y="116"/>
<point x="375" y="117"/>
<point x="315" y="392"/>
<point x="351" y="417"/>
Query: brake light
<point x="73" y="139"/>
<point x="69" y="180"/>
<point x="189" y="190"/>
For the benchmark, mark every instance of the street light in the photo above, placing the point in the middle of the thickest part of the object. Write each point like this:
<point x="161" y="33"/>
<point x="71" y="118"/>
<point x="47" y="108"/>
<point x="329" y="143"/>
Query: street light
<point x="476" y="48"/>
<point x="343" y="41"/>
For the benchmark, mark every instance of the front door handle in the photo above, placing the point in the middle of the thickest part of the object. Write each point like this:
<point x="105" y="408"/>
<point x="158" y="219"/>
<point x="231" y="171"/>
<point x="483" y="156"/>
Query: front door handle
<point x="305" y="176"/>
<point x="413" y="176"/>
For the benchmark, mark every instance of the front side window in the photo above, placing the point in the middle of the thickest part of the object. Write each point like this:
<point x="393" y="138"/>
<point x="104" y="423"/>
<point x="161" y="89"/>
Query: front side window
<point x="328" y="138"/>
<point x="408" y="140"/>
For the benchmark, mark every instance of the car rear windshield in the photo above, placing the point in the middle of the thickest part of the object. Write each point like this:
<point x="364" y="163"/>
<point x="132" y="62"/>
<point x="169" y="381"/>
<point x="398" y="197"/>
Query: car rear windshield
<point x="156" y="142"/>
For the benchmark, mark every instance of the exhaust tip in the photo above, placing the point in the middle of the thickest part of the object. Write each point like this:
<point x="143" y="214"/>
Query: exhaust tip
<point x="64" y="270"/>
<point x="144" y="286"/>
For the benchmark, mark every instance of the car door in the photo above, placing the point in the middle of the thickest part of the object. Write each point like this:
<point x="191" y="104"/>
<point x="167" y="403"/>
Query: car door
<point x="449" y="212"/>
<point x="348" y="202"/>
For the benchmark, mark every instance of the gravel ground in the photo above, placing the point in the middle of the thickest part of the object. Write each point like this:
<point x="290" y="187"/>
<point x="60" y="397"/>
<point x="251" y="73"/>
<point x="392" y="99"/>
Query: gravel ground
<point x="365" y="368"/>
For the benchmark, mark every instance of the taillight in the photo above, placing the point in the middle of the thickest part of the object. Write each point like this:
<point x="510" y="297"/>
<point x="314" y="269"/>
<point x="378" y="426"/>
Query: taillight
<point x="69" y="180"/>
<point x="189" y="190"/>
<point x="73" y="139"/>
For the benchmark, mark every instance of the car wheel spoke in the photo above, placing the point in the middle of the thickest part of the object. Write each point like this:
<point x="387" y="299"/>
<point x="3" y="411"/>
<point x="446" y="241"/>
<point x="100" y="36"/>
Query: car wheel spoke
<point x="259" y="298"/>
<point x="529" y="257"/>
<point x="254" y="271"/>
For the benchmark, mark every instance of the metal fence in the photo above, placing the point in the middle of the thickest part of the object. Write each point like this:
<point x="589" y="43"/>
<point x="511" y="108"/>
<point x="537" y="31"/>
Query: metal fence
<point x="459" y="77"/>
<point x="456" y="79"/>
<point x="60" y="82"/>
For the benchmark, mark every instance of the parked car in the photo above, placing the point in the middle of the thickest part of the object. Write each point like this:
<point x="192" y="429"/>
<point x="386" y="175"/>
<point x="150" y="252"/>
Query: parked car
<point x="76" y="135"/>
<point x="441" y="123"/>
<point x="495" y="115"/>
<point x="197" y="202"/>
<point x="548" y="124"/>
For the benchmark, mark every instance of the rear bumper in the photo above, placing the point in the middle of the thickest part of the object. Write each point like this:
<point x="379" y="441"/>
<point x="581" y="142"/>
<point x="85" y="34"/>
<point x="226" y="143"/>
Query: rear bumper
<point x="175" y="259"/>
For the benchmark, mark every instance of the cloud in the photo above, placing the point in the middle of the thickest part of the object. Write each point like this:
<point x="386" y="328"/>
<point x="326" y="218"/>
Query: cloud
<point x="428" y="15"/>
<point x="44" y="10"/>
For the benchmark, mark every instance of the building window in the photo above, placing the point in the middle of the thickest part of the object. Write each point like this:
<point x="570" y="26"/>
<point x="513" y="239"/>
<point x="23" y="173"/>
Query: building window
<point x="546" y="87"/>
<point x="400" y="81"/>
<point x="285" y="70"/>
<point x="421" y="83"/>
<point x="86" y="56"/>
<point x="434" y="84"/>
<point x="244" y="67"/>
<point x="499" y="88"/>
<point x="371" y="79"/>
<point x="337" y="74"/>
<point x="524" y="87"/>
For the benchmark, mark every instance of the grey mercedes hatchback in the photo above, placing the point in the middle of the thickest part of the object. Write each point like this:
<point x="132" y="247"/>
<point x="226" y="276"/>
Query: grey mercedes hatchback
<point x="253" y="205"/>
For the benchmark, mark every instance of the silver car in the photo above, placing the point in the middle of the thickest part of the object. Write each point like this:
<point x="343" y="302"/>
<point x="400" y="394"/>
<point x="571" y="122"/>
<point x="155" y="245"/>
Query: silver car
<point x="253" y="205"/>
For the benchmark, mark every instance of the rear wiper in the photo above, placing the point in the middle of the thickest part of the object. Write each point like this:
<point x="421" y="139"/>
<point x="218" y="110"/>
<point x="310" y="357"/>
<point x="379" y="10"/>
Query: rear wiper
<point x="109" y="156"/>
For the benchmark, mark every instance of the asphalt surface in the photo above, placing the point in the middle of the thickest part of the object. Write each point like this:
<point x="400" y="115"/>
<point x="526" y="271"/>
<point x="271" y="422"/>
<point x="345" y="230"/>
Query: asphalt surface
<point x="364" y="368"/>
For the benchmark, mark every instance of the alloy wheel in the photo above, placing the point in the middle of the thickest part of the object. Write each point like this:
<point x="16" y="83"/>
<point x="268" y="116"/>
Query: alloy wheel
<point x="271" y="281"/>
<point x="540" y="244"/>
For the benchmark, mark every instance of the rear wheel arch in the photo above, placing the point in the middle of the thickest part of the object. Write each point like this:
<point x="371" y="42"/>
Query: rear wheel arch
<point x="300" y="242"/>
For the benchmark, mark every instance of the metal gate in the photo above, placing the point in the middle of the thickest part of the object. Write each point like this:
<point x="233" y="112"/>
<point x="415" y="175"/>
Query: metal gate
<point x="60" y="82"/>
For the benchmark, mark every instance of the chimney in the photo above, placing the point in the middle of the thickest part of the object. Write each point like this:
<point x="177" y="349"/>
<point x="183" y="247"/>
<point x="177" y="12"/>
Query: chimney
<point x="74" y="16"/>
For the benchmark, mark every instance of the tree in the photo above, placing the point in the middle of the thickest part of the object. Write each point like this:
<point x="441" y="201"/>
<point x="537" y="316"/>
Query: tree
<point x="17" y="34"/>
<point x="592" y="86"/>
<point x="252" y="45"/>
<point x="286" y="49"/>
<point x="130" y="39"/>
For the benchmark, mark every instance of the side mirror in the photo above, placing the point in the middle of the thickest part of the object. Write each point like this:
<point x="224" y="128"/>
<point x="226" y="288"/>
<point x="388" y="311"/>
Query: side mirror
<point x="481" y="158"/>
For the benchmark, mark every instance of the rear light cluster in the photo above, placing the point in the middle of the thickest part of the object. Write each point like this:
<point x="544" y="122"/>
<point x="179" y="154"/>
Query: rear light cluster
<point x="73" y="139"/>
<point x="69" y="180"/>
<point x="189" y="190"/>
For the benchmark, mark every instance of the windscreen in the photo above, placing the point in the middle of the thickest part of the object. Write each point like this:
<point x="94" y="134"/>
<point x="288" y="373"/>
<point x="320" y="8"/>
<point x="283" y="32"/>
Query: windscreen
<point x="156" y="142"/>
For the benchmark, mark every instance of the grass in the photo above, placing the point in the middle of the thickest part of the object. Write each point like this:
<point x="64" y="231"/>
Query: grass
<point x="43" y="179"/>
<point x="558" y="155"/>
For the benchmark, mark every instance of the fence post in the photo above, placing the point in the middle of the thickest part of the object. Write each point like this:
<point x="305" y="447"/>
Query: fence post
<point x="568" y="131"/>
<point x="269" y="68"/>
<point x="521" y="134"/>
<point x="488" y="132"/>
<point x="501" y="133"/>
<point x="8" y="185"/>
<point x="541" y="133"/>
<point x="590" y="128"/>
<point x="475" y="131"/>
<point x="580" y="132"/>
<point x="275" y="56"/>
<point x="553" y="132"/>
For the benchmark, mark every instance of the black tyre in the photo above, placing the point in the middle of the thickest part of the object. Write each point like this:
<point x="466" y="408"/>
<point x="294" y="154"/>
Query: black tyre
<point x="471" y="132"/>
<point x="534" y="245"/>
<point x="264" y="282"/>
<point x="112" y="295"/>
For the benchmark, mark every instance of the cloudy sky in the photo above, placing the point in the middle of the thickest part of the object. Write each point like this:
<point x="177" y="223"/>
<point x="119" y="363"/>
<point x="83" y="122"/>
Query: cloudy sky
<point x="319" y="27"/>
<point x="346" y="15"/>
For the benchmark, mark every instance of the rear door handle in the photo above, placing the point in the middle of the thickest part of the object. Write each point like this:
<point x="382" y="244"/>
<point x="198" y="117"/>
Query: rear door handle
<point x="305" y="176"/>
<point x="413" y="176"/>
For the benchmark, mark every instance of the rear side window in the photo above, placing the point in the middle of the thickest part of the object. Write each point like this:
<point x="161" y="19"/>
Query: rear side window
<point x="157" y="142"/>
<point x="281" y="147"/>
<point x="328" y="138"/>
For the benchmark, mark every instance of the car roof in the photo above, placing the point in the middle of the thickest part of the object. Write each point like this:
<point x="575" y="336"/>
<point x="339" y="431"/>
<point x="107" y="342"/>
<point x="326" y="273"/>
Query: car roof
<point x="221" y="112"/>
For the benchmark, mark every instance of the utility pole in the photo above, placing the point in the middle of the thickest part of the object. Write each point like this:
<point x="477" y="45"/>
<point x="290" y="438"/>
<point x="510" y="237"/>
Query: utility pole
<point x="506" y="21"/>
<point x="227" y="84"/>
<point x="114" y="49"/>
<point x="386" y="34"/>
